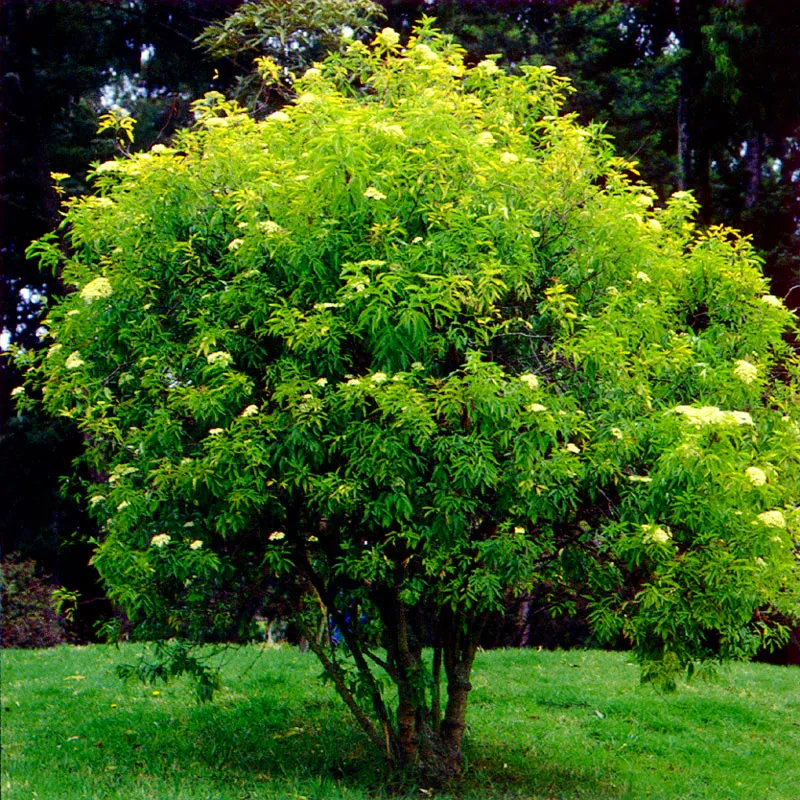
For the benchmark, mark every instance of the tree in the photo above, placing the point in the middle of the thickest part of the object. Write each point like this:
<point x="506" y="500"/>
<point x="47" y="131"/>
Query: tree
<point x="291" y="35"/>
<point x="413" y="344"/>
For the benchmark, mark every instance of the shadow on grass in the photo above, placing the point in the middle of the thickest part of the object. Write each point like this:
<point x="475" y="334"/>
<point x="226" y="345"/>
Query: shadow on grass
<point x="514" y="773"/>
<point x="250" y="743"/>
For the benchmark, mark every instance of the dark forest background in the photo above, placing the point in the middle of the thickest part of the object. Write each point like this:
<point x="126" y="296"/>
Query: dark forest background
<point x="704" y="95"/>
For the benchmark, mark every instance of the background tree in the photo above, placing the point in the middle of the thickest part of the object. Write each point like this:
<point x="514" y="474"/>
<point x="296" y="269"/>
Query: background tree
<point x="292" y="35"/>
<point x="378" y="346"/>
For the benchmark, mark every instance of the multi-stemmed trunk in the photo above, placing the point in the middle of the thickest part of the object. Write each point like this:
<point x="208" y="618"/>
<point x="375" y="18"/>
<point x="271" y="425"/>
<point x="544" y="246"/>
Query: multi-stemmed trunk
<point x="430" y="732"/>
<point x="422" y="737"/>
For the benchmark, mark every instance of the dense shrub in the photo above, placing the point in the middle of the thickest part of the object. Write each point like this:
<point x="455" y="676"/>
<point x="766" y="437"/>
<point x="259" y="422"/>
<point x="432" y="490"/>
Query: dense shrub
<point x="413" y="345"/>
<point x="30" y="618"/>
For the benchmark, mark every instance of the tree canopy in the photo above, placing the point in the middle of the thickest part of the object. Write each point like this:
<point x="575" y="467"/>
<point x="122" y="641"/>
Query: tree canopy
<point x="414" y="343"/>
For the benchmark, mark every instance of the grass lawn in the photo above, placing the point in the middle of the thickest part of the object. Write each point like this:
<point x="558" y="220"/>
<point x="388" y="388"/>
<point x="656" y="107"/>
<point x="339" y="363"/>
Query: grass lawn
<point x="542" y="725"/>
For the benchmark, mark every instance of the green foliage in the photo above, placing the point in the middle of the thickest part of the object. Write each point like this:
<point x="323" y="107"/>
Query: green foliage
<point x="120" y="125"/>
<point x="415" y="343"/>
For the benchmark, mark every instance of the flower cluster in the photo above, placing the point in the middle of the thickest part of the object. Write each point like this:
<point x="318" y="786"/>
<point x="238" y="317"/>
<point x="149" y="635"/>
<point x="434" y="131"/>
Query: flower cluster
<point x="745" y="371"/>
<point x="772" y="519"/>
<point x="487" y="66"/>
<point x="97" y="289"/>
<point x="654" y="534"/>
<point x="756" y="476"/>
<point x="711" y="415"/>
<point x="219" y="359"/>
<point x="530" y="380"/>
<point x="74" y="360"/>
<point x="120" y="472"/>
<point x="160" y="539"/>
<point x="389" y="37"/>
<point x="371" y="193"/>
<point x="269" y="227"/>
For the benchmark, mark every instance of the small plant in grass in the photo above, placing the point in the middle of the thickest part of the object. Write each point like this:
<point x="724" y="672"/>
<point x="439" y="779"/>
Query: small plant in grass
<point x="413" y="344"/>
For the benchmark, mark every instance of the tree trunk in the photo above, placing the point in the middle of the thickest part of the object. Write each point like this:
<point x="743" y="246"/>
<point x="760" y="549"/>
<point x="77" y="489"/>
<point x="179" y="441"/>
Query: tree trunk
<point x="694" y="157"/>
<point x="427" y="744"/>
<point x="754" y="165"/>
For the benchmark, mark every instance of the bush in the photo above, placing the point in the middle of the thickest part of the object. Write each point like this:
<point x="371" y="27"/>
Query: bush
<point x="30" y="617"/>
<point x="415" y="344"/>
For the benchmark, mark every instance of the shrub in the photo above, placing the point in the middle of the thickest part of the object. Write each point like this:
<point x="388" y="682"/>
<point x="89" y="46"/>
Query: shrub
<point x="417" y="343"/>
<point x="30" y="617"/>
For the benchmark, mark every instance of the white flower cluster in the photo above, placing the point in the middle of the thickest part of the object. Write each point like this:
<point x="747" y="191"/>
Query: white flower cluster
<point x="745" y="371"/>
<point x="109" y="166"/>
<point x="711" y="415"/>
<point x="121" y="471"/>
<point x="74" y="360"/>
<point x="392" y="131"/>
<point x="771" y="300"/>
<point x="530" y="380"/>
<point x="509" y="158"/>
<point x="425" y="53"/>
<point x="487" y="66"/>
<point x="196" y="544"/>
<point x="97" y="289"/>
<point x="276" y="536"/>
<point x="756" y="476"/>
<point x="269" y="227"/>
<point x="250" y="411"/>
<point x="389" y="37"/>
<point x="485" y="139"/>
<point x="219" y="359"/>
<point x="371" y="193"/>
<point x="160" y="539"/>
<point x="772" y="519"/>
<point x="654" y="534"/>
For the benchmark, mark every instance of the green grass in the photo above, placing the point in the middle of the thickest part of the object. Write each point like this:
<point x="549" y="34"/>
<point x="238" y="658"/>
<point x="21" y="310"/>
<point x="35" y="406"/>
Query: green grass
<point x="542" y="725"/>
